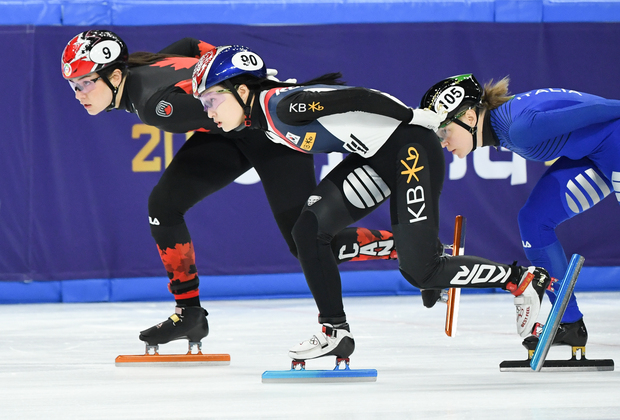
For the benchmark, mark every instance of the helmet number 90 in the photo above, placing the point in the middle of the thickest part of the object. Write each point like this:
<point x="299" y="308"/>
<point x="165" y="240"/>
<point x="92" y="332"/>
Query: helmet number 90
<point x="247" y="60"/>
<point x="450" y="99"/>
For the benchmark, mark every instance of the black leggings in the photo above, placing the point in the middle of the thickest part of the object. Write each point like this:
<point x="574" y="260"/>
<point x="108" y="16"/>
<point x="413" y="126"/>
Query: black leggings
<point x="409" y="167"/>
<point x="209" y="162"/>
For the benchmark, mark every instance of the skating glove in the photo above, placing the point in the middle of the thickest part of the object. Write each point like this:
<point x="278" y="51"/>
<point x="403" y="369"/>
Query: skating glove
<point x="272" y="73"/>
<point x="427" y="118"/>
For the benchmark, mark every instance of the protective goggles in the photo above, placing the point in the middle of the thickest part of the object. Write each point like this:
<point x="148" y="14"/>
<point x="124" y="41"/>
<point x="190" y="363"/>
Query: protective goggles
<point x="83" y="85"/>
<point x="211" y="100"/>
<point x="442" y="133"/>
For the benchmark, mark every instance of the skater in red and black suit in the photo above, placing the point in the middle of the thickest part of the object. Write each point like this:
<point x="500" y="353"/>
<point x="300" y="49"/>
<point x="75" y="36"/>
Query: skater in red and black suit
<point x="393" y="152"/>
<point x="157" y="88"/>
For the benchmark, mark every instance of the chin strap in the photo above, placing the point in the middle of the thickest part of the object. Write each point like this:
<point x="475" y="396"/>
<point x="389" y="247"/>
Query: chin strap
<point x="472" y="130"/>
<point x="114" y="92"/>
<point x="247" y="109"/>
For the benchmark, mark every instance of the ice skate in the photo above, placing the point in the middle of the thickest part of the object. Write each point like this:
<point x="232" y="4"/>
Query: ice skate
<point x="186" y="323"/>
<point x="528" y="296"/>
<point x="554" y="333"/>
<point x="333" y="340"/>
<point x="572" y="334"/>
<point x="431" y="296"/>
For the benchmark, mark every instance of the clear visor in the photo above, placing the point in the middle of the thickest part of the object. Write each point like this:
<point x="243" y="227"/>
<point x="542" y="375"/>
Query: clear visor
<point x="211" y="100"/>
<point x="444" y="128"/>
<point x="442" y="133"/>
<point x="83" y="85"/>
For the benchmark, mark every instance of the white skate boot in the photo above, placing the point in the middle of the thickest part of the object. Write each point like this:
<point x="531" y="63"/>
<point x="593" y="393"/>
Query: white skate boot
<point x="334" y="340"/>
<point x="528" y="296"/>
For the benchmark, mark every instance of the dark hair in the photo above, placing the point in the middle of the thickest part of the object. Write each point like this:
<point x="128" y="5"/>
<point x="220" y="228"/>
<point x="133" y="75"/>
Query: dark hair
<point x="143" y="58"/>
<point x="257" y="84"/>
<point x="137" y="59"/>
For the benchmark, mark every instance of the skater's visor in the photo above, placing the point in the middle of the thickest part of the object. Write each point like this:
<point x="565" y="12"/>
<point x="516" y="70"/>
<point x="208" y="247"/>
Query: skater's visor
<point x="83" y="85"/>
<point x="211" y="100"/>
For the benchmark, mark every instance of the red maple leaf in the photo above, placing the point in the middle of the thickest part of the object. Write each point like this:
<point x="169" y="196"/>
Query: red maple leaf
<point x="176" y="62"/>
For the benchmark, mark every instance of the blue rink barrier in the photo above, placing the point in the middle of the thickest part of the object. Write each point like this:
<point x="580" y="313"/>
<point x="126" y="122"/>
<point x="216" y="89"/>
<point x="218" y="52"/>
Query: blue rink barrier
<point x="263" y="286"/>
<point x="296" y="12"/>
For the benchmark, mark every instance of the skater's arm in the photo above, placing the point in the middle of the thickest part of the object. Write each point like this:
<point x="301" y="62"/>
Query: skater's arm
<point x="536" y="125"/>
<point x="309" y="104"/>
<point x="188" y="47"/>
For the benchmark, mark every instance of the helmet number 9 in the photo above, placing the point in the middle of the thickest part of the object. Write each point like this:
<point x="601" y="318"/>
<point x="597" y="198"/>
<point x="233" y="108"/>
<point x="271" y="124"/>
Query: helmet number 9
<point x="105" y="52"/>
<point x="450" y="99"/>
<point x="246" y="60"/>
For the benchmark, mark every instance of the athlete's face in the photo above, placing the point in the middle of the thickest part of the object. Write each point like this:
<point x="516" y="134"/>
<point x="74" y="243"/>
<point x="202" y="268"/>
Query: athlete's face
<point x="92" y="92"/>
<point x="457" y="139"/>
<point x="222" y="107"/>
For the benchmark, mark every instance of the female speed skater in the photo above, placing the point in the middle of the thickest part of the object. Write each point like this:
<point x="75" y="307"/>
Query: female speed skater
<point x="581" y="130"/>
<point x="157" y="88"/>
<point x="393" y="152"/>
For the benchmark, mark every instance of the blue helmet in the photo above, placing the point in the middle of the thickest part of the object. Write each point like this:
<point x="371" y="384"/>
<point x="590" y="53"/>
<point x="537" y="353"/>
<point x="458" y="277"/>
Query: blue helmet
<point x="223" y="63"/>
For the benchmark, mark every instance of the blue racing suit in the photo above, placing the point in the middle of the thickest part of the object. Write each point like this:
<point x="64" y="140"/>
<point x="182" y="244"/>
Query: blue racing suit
<point x="582" y="132"/>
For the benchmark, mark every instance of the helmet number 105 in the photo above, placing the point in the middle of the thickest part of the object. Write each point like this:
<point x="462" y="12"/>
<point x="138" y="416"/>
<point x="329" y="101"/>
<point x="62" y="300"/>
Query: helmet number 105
<point x="450" y="99"/>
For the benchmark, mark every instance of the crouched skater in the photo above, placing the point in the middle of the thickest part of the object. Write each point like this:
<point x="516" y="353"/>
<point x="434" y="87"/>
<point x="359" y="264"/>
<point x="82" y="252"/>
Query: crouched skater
<point x="393" y="153"/>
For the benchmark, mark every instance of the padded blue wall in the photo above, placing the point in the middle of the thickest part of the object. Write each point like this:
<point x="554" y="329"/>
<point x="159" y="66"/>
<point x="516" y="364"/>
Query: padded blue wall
<point x="294" y="12"/>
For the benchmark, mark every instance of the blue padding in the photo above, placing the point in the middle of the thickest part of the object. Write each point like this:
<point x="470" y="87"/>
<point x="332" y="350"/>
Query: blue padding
<point x="32" y="12"/>
<point x="87" y="13"/>
<point x="518" y="11"/>
<point x="295" y="12"/>
<point x="260" y="286"/>
<point x="97" y="290"/>
<point x="598" y="279"/>
<point x="139" y="289"/>
<point x="149" y="12"/>
<point x="581" y="11"/>
<point x="30" y="292"/>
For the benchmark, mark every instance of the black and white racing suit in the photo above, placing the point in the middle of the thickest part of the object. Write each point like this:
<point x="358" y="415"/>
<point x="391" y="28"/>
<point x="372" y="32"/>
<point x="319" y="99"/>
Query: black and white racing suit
<point x="388" y="158"/>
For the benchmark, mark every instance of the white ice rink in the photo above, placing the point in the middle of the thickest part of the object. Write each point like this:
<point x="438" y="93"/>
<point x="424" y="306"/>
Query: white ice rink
<point x="57" y="362"/>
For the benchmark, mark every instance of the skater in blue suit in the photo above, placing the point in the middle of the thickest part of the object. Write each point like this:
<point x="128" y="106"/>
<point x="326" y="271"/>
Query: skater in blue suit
<point x="580" y="130"/>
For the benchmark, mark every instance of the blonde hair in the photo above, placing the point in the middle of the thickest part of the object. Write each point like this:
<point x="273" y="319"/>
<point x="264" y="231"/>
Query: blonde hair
<point x="495" y="94"/>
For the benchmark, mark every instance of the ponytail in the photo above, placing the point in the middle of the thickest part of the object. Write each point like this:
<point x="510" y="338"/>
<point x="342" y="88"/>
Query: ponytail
<point x="495" y="94"/>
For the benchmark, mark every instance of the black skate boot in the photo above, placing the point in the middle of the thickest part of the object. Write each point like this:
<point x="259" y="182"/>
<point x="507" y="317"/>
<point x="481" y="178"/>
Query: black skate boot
<point x="333" y="340"/>
<point x="431" y="296"/>
<point x="572" y="334"/>
<point x="528" y="294"/>
<point x="186" y="323"/>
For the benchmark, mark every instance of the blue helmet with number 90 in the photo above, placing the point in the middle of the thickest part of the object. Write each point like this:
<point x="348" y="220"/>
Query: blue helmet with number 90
<point x="223" y="63"/>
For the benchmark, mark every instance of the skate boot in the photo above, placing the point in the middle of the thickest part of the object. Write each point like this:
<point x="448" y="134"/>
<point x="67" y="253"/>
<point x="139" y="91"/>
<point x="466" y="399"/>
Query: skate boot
<point x="528" y="296"/>
<point x="186" y="323"/>
<point x="572" y="334"/>
<point x="431" y="296"/>
<point x="334" y="340"/>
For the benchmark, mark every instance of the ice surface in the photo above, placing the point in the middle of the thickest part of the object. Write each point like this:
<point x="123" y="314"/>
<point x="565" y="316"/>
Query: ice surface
<point x="57" y="362"/>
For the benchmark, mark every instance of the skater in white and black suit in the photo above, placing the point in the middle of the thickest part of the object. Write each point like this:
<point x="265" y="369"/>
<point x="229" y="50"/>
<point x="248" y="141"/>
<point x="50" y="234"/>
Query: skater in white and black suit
<point x="157" y="88"/>
<point x="393" y="153"/>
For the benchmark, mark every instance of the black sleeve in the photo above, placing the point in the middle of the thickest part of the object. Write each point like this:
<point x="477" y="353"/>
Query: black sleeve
<point x="185" y="113"/>
<point x="302" y="107"/>
<point x="188" y="47"/>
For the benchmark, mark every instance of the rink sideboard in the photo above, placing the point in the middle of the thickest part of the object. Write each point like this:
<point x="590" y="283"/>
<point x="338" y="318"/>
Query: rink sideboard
<point x="74" y="190"/>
